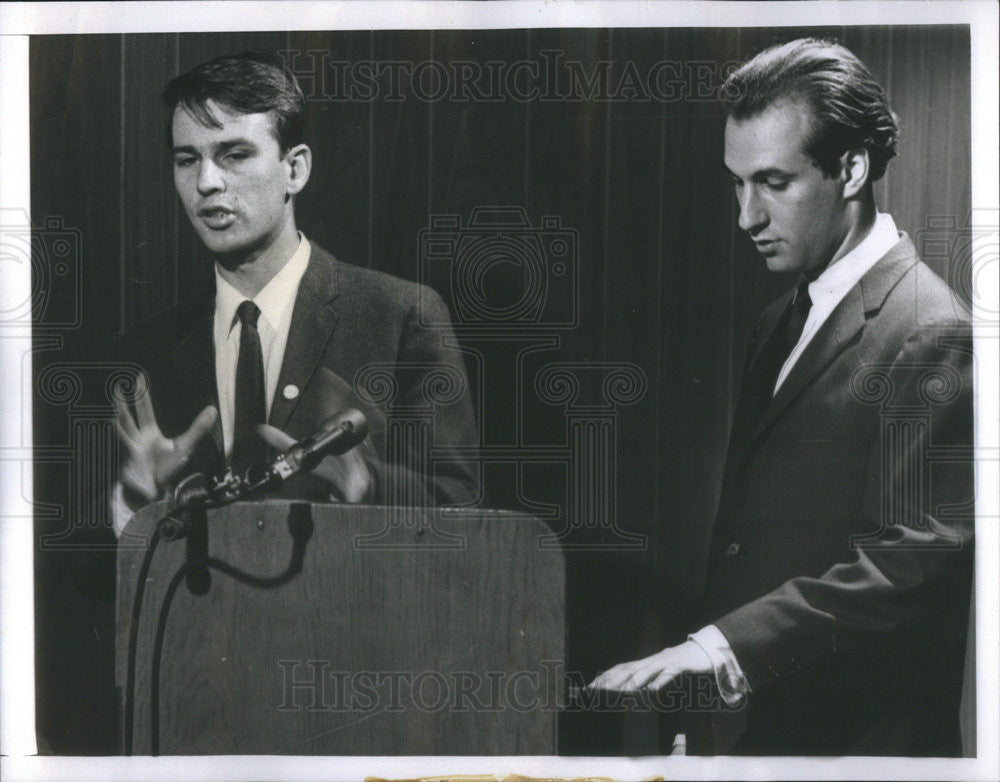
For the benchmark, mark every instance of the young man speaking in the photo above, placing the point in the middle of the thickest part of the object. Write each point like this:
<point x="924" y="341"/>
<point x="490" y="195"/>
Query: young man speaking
<point x="274" y="351"/>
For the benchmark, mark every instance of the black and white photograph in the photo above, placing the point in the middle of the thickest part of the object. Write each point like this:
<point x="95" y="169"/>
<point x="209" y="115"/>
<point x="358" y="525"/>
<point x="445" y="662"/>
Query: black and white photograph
<point x="499" y="390"/>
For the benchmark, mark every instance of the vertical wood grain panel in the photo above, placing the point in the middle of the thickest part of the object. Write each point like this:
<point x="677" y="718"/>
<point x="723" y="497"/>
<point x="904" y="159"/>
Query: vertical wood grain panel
<point x="698" y="298"/>
<point x="335" y="207"/>
<point x="401" y="149"/>
<point x="74" y="146"/>
<point x="75" y="135"/>
<point x="478" y="154"/>
<point x="479" y="145"/>
<point x="151" y="210"/>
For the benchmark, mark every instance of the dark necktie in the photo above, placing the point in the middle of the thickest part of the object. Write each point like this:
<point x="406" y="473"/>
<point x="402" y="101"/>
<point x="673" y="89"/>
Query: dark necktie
<point x="248" y="448"/>
<point x="764" y="374"/>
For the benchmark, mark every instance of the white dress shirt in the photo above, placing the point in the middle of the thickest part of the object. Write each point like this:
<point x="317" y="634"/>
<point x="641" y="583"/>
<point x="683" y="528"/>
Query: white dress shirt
<point x="276" y="300"/>
<point x="826" y="292"/>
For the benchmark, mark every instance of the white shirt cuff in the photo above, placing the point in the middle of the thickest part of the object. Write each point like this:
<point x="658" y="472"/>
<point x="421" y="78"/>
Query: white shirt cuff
<point x="121" y="511"/>
<point x="733" y="685"/>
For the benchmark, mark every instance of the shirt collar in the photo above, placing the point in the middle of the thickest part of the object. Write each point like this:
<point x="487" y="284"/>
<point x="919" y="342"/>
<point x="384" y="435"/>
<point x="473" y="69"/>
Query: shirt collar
<point x="838" y="278"/>
<point x="272" y="299"/>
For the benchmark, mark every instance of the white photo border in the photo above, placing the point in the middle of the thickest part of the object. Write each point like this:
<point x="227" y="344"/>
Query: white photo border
<point x="19" y="21"/>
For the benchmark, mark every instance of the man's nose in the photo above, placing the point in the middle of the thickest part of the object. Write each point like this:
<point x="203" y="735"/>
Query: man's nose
<point x="209" y="178"/>
<point x="752" y="215"/>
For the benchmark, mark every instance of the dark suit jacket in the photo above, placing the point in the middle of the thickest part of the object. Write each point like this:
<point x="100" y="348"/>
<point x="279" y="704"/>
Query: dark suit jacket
<point x="345" y="318"/>
<point x="840" y="564"/>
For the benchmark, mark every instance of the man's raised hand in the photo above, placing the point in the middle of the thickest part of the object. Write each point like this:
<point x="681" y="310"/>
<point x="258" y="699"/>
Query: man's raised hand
<point x="151" y="460"/>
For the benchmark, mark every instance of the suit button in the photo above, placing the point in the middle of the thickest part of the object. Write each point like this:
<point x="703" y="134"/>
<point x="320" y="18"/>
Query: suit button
<point x="733" y="549"/>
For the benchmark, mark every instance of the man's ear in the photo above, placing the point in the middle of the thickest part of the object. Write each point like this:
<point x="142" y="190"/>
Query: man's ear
<point x="298" y="162"/>
<point x="855" y="166"/>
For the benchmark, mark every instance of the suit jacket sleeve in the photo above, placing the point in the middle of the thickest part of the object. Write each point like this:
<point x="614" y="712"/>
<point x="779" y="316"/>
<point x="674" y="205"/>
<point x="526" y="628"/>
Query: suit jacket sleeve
<point x="916" y="547"/>
<point x="427" y="371"/>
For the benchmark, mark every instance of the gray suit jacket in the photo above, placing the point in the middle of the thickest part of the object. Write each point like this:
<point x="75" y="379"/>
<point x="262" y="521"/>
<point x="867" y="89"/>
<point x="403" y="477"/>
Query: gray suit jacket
<point x="368" y="330"/>
<point x="841" y="556"/>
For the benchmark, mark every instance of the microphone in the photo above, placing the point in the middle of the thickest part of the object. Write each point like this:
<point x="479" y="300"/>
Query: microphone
<point x="190" y="495"/>
<point x="338" y="434"/>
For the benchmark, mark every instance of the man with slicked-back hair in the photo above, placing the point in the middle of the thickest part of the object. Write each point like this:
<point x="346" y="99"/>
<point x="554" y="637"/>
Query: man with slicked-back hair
<point x="836" y="604"/>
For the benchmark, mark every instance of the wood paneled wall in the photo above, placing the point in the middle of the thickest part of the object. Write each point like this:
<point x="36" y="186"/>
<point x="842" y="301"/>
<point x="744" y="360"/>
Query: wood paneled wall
<point x="666" y="282"/>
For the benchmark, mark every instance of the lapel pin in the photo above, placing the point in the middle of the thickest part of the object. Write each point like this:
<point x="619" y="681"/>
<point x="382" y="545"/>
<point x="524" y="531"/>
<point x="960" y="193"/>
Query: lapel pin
<point x="291" y="391"/>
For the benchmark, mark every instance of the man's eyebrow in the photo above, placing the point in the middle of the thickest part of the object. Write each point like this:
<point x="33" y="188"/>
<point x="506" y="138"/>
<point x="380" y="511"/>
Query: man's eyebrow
<point x="221" y="146"/>
<point x="764" y="173"/>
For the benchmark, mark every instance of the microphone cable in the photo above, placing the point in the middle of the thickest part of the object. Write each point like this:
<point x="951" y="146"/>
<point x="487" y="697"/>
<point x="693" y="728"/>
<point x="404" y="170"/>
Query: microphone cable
<point x="133" y="641"/>
<point x="301" y="528"/>
<point x="350" y="426"/>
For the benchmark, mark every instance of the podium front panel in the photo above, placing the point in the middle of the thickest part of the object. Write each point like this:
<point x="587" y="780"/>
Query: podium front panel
<point x="293" y="628"/>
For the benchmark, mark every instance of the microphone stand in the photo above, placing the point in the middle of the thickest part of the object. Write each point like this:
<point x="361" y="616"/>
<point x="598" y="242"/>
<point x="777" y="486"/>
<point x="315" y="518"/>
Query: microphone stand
<point x="193" y="494"/>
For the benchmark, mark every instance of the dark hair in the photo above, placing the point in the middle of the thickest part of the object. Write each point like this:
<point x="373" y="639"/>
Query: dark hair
<point x="848" y="107"/>
<point x="247" y="83"/>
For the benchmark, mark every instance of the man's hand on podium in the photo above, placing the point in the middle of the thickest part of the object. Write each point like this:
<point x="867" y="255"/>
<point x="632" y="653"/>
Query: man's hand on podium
<point x="151" y="461"/>
<point x="347" y="473"/>
<point x="656" y="671"/>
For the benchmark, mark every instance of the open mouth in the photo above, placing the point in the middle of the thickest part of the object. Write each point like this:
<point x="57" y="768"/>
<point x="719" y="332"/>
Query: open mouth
<point x="217" y="218"/>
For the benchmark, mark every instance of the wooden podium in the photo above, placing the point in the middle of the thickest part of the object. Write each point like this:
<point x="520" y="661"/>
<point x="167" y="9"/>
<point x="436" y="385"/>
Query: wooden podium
<point x="297" y="628"/>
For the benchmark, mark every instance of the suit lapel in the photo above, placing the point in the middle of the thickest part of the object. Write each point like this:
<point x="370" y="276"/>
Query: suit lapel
<point x="744" y="425"/>
<point x="833" y="336"/>
<point x="313" y="321"/>
<point x="841" y="327"/>
<point x="767" y="325"/>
